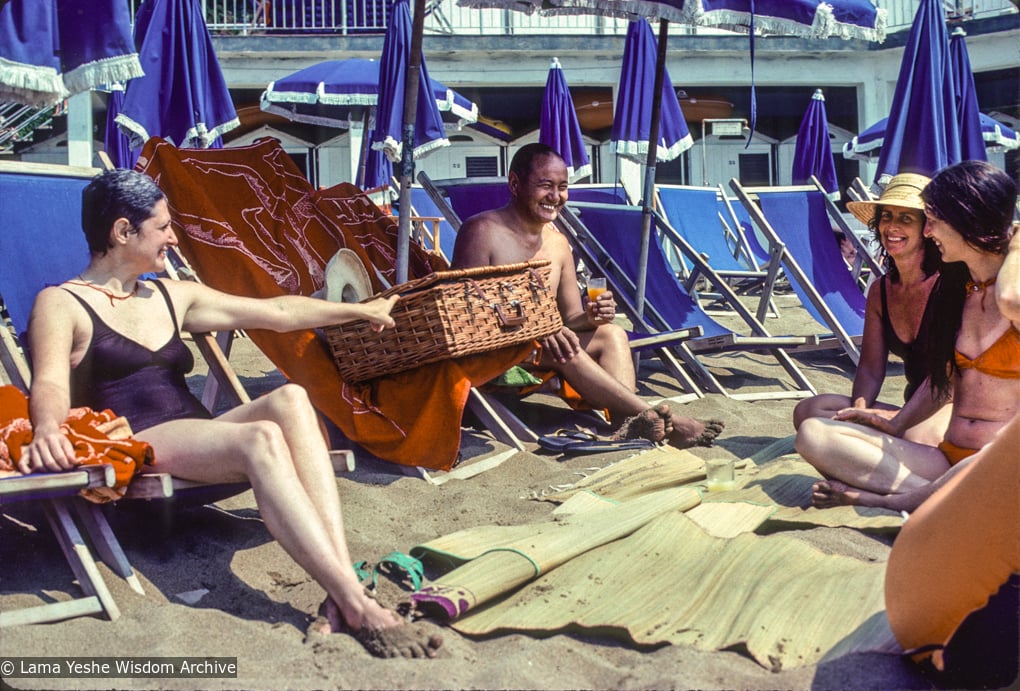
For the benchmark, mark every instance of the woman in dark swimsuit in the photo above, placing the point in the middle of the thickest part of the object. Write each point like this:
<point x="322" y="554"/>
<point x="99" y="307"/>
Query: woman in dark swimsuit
<point x="109" y="340"/>
<point x="898" y="314"/>
<point x="974" y="361"/>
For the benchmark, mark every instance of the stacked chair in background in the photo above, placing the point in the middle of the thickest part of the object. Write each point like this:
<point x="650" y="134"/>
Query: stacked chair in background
<point x="607" y="236"/>
<point x="706" y="219"/>
<point x="797" y="222"/>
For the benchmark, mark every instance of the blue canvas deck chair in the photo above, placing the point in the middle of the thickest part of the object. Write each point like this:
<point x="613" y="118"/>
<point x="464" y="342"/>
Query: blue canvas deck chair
<point x="44" y="244"/>
<point x="798" y="225"/>
<point x="706" y="219"/>
<point x="34" y="202"/>
<point x="610" y="237"/>
<point x="867" y="264"/>
<point x="462" y="198"/>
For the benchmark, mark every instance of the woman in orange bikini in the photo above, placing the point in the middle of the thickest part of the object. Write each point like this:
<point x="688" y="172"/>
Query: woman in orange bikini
<point x="974" y="357"/>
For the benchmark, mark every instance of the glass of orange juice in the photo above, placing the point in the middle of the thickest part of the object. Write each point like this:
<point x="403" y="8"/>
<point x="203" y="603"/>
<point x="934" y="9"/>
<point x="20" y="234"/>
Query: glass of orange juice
<point x="596" y="286"/>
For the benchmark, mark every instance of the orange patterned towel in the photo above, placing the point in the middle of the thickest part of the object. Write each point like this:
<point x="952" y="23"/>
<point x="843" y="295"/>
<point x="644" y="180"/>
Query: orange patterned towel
<point x="97" y="438"/>
<point x="251" y="224"/>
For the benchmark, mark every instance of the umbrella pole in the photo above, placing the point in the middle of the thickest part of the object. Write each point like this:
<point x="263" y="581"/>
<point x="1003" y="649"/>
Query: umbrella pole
<point x="649" y="187"/>
<point x="366" y="146"/>
<point x="407" y="150"/>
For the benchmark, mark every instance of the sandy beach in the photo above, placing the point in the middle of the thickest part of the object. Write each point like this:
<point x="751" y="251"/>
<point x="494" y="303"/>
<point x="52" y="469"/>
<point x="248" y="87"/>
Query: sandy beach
<point x="217" y="585"/>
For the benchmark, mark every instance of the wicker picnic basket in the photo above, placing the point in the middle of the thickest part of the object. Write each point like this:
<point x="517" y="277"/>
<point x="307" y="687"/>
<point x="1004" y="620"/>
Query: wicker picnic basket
<point x="449" y="314"/>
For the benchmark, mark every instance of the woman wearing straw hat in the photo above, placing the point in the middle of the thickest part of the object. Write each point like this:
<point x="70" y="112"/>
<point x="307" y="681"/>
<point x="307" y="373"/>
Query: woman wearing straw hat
<point x="899" y="312"/>
<point x="974" y="357"/>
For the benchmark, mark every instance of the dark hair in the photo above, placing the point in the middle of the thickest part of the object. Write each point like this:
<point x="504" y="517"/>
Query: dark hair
<point x="977" y="200"/>
<point x="930" y="262"/>
<point x="524" y="159"/>
<point x="113" y="194"/>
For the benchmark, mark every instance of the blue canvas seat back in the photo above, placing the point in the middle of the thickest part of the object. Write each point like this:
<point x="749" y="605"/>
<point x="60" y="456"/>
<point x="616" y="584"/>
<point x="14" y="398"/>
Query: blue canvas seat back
<point x="468" y="200"/>
<point x="619" y="232"/>
<point x="599" y="195"/>
<point x="761" y="255"/>
<point x="42" y="242"/>
<point x="694" y="213"/>
<point x="801" y="221"/>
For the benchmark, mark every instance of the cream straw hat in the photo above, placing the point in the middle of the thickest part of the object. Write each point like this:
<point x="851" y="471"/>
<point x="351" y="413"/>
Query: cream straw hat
<point x="346" y="279"/>
<point x="903" y="190"/>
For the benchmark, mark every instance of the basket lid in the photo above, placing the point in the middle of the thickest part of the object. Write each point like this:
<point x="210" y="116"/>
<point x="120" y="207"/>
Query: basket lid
<point x="455" y="274"/>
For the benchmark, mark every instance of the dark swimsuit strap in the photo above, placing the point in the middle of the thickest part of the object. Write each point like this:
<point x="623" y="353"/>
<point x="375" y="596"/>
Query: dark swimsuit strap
<point x="157" y="283"/>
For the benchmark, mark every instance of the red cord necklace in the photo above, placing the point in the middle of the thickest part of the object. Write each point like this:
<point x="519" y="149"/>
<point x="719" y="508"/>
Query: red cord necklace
<point x="974" y="287"/>
<point x="113" y="297"/>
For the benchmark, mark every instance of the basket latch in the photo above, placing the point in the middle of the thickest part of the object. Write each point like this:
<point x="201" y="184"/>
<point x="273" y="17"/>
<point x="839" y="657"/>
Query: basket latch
<point x="511" y="321"/>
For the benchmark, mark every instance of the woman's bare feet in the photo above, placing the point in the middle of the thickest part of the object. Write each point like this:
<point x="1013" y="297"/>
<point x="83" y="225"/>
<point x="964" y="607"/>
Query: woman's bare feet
<point x="826" y="494"/>
<point x="381" y="631"/>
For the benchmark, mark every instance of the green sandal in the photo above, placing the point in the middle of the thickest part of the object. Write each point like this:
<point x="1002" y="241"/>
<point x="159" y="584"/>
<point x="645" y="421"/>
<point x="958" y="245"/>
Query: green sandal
<point x="402" y="569"/>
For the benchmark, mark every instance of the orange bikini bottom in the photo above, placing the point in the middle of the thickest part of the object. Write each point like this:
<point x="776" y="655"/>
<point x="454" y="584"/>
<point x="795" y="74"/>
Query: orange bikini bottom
<point x="955" y="453"/>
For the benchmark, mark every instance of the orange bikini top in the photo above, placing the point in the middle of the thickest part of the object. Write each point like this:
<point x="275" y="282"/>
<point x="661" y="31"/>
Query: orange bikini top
<point x="1001" y="360"/>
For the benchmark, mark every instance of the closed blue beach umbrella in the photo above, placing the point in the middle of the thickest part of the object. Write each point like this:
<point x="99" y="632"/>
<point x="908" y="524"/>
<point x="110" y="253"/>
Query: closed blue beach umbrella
<point x="51" y="49"/>
<point x="183" y="96"/>
<point x="968" y="117"/>
<point x="117" y="144"/>
<point x="813" y="155"/>
<point x="922" y="135"/>
<point x="558" y="127"/>
<point x="635" y="96"/>
<point x="408" y="124"/>
<point x="428" y="131"/>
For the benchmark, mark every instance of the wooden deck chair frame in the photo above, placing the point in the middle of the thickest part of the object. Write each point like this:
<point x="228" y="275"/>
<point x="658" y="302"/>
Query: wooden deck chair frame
<point x="649" y="338"/>
<point x="69" y="516"/>
<point x="689" y="349"/>
<point x="778" y="249"/>
<point x="860" y="192"/>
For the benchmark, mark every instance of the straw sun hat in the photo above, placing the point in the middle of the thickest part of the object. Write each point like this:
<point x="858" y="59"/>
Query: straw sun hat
<point x="903" y="190"/>
<point x="346" y="279"/>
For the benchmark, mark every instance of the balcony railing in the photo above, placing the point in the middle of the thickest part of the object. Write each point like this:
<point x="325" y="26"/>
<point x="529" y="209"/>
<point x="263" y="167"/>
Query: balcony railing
<point x="445" y="17"/>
